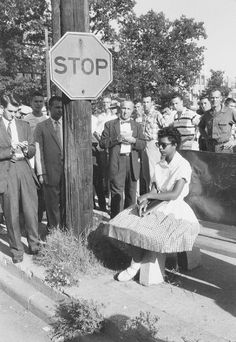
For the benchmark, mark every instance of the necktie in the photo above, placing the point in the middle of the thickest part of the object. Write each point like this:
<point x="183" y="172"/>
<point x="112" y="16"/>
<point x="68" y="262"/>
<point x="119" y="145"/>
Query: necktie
<point x="58" y="132"/>
<point x="9" y="130"/>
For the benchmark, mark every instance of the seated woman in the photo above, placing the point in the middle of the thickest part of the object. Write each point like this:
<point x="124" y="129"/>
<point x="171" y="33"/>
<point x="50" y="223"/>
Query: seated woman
<point x="169" y="225"/>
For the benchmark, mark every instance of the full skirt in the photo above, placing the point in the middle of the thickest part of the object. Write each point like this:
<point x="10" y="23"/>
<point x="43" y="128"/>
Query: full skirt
<point x="169" y="227"/>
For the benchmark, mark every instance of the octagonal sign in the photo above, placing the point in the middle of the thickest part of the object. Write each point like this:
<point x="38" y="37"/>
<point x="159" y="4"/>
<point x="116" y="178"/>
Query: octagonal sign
<point x="80" y="65"/>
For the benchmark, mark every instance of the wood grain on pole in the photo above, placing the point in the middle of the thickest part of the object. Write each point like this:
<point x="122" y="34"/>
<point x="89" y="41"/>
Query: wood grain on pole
<point x="77" y="135"/>
<point x="56" y="21"/>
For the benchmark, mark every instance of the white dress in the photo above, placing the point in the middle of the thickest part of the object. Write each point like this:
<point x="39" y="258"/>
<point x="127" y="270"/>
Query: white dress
<point x="169" y="227"/>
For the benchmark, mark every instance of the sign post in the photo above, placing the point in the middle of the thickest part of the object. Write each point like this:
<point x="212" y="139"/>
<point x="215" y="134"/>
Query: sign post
<point x="82" y="72"/>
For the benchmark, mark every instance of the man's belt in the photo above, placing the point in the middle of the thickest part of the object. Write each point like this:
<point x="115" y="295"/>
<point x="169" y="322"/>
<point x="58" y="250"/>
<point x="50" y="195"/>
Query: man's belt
<point x="125" y="154"/>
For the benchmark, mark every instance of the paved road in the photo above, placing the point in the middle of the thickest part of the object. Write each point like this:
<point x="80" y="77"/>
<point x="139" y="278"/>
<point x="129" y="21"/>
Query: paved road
<point x="18" y="324"/>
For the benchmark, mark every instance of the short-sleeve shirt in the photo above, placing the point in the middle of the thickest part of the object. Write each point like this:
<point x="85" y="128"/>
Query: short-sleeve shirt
<point x="34" y="120"/>
<point x="102" y="119"/>
<point x="186" y="123"/>
<point x="218" y="125"/>
<point x="166" y="175"/>
<point x="151" y="123"/>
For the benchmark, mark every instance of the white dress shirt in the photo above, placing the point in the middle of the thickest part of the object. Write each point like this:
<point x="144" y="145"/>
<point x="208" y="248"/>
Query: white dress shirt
<point x="125" y="130"/>
<point x="14" y="133"/>
<point x="14" y="137"/>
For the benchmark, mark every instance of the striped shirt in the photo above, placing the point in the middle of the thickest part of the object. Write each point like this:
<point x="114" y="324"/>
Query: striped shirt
<point x="186" y="122"/>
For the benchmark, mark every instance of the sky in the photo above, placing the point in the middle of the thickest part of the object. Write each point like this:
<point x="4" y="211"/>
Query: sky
<point x="219" y="17"/>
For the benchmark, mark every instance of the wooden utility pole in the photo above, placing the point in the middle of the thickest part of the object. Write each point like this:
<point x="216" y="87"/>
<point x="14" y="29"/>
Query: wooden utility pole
<point x="74" y="17"/>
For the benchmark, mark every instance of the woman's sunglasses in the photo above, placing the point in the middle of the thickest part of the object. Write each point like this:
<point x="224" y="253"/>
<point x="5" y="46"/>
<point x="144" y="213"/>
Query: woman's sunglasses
<point x="163" y="145"/>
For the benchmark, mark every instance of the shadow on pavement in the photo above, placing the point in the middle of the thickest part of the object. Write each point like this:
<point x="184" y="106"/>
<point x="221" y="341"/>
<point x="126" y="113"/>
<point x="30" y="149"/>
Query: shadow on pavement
<point x="115" y="329"/>
<point x="141" y="328"/>
<point x="215" y="279"/>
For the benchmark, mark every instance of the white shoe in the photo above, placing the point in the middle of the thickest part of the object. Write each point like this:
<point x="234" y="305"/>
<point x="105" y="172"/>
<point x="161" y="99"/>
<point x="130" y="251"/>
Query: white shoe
<point x="127" y="274"/>
<point x="130" y="272"/>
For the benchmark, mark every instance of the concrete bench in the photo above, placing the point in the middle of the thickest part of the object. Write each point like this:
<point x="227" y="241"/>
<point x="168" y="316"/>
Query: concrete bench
<point x="153" y="265"/>
<point x="218" y="238"/>
<point x="215" y="237"/>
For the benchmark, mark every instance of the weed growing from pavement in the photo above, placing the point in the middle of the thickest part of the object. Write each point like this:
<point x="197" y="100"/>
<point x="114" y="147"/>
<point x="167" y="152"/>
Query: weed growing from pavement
<point x="143" y="327"/>
<point x="59" y="276"/>
<point x="66" y="258"/>
<point x="79" y="317"/>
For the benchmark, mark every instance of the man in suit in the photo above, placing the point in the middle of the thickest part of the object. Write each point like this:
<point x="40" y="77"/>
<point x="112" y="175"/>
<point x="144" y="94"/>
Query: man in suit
<point x="33" y="118"/>
<point x="17" y="179"/>
<point x="49" y="161"/>
<point x="124" y="139"/>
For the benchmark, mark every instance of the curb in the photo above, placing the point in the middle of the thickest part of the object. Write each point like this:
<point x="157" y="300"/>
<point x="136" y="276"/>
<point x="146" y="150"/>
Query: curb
<point x="17" y="285"/>
<point x="29" y="297"/>
<point x="29" y="277"/>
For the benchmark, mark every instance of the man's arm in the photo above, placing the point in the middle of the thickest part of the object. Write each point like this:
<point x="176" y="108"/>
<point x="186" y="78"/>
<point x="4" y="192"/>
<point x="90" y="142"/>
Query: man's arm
<point x="140" y="142"/>
<point x="107" y="140"/>
<point x="160" y="120"/>
<point x="202" y="127"/>
<point x="232" y="142"/>
<point x="31" y="145"/>
<point x="6" y="152"/>
<point x="196" y="119"/>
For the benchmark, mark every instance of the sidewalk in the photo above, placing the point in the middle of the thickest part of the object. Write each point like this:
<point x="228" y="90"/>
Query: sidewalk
<point x="197" y="306"/>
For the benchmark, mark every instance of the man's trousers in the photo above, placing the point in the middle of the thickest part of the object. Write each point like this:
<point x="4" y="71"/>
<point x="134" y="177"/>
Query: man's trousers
<point x="54" y="201"/>
<point x="123" y="184"/>
<point x="21" y="195"/>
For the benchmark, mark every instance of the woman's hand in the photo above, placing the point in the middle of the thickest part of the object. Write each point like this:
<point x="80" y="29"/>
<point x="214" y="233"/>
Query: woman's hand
<point x="142" y="204"/>
<point x="142" y="207"/>
<point x="142" y="198"/>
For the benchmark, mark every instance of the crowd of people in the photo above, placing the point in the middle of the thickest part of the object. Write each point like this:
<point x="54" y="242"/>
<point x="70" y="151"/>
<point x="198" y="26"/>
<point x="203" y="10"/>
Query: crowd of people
<point x="142" y="144"/>
<point x="129" y="140"/>
<point x="125" y="142"/>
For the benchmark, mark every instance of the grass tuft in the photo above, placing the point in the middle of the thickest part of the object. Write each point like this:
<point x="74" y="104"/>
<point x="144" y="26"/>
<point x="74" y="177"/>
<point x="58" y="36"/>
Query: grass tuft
<point x="79" y="317"/>
<point x="66" y="258"/>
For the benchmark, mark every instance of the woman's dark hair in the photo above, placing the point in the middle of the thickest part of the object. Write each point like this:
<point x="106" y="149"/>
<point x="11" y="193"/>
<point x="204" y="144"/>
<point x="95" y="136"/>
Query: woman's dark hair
<point x="172" y="134"/>
<point x="6" y="99"/>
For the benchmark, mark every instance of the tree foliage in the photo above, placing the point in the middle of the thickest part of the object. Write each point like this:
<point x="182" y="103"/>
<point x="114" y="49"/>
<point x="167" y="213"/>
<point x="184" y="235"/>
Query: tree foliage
<point x="22" y="62"/>
<point x="150" y="52"/>
<point x="104" y="15"/>
<point x="217" y="81"/>
<point x="157" y="55"/>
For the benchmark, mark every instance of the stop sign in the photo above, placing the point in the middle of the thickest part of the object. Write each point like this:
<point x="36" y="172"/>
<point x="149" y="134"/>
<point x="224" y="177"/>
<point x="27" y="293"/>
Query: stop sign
<point x="80" y="65"/>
